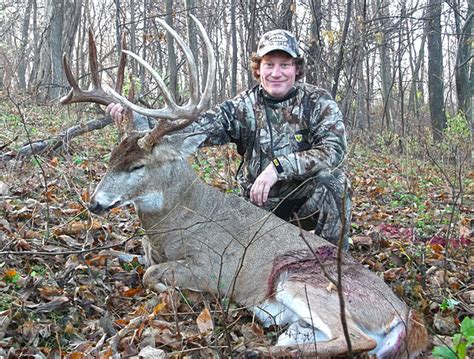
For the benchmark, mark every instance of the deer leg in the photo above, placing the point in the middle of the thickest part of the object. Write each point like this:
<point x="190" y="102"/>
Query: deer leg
<point x="163" y="276"/>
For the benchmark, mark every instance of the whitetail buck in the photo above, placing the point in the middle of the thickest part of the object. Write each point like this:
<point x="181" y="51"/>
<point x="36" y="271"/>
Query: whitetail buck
<point x="202" y="239"/>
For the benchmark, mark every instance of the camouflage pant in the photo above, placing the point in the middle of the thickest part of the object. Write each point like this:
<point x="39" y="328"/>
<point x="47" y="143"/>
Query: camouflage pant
<point x="317" y="205"/>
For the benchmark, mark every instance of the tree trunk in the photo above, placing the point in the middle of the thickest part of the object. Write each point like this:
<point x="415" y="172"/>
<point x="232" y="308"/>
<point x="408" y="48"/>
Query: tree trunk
<point x="435" y="69"/>
<point x="340" y="56"/>
<point x="385" y="64"/>
<point x="313" y="62"/>
<point x="192" y="31"/>
<point x="251" y="41"/>
<point x="146" y="30"/>
<point x="56" y="43"/>
<point x="464" y="53"/>
<point x="415" y="99"/>
<point x="72" y="16"/>
<point x="285" y="17"/>
<point x="22" y="50"/>
<point x="172" y="66"/>
<point x="401" y="51"/>
<point x="118" y="30"/>
<point x="233" y="31"/>
<point x="133" y="35"/>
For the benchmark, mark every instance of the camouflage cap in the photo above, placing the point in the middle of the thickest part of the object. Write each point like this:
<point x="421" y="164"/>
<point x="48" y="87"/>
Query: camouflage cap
<point x="278" y="40"/>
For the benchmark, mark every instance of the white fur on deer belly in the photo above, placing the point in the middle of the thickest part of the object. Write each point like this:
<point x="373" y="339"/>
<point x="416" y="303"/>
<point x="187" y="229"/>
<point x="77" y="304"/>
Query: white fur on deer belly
<point x="303" y="312"/>
<point x="150" y="202"/>
<point x="288" y="308"/>
<point x="271" y="312"/>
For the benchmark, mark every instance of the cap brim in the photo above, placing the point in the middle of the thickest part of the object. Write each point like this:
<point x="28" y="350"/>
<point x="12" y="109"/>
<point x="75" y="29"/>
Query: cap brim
<point x="267" y="49"/>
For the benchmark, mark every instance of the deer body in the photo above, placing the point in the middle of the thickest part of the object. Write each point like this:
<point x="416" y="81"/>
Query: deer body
<point x="202" y="239"/>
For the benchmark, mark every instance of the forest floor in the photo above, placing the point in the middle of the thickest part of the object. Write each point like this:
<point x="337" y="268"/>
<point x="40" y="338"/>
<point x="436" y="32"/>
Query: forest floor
<point x="411" y="225"/>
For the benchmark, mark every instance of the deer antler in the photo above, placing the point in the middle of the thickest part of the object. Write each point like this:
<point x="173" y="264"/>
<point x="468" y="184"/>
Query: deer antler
<point x="97" y="93"/>
<point x="173" y="111"/>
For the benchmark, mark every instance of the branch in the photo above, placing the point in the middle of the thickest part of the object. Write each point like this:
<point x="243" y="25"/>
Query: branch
<point x="67" y="253"/>
<point x="340" y="293"/>
<point x="48" y="145"/>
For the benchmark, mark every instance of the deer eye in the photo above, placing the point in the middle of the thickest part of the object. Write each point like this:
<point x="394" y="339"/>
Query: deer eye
<point x="136" y="168"/>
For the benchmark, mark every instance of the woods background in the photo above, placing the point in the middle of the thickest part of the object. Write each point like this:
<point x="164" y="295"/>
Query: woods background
<point x="403" y="75"/>
<point x="392" y="65"/>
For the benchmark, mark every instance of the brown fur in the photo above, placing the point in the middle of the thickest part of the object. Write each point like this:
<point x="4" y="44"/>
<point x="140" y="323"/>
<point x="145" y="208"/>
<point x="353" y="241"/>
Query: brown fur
<point x="127" y="154"/>
<point x="417" y="335"/>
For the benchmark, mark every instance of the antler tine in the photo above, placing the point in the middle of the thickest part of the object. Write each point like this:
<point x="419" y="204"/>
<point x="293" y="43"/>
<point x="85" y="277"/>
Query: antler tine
<point x="172" y="111"/>
<point x="211" y="69"/>
<point x="193" y="73"/>
<point x="161" y="130"/>
<point x="96" y="94"/>
<point x="161" y="84"/>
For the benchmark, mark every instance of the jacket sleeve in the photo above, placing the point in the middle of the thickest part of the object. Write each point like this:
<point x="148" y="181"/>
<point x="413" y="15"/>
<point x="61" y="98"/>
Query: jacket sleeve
<point x="327" y="138"/>
<point x="222" y="125"/>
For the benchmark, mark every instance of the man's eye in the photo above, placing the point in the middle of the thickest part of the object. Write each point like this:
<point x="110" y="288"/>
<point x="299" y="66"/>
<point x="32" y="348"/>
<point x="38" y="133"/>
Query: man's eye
<point x="136" y="168"/>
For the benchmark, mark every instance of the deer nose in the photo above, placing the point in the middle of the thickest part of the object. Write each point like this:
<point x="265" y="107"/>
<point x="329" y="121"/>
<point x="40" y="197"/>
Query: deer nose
<point x="96" y="208"/>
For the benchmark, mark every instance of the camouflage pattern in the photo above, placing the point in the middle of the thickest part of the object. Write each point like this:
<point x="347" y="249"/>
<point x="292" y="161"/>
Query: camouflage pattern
<point x="306" y="134"/>
<point x="278" y="40"/>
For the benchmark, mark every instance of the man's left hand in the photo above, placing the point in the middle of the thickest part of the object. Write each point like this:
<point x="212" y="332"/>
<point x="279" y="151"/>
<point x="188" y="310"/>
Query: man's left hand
<point x="263" y="183"/>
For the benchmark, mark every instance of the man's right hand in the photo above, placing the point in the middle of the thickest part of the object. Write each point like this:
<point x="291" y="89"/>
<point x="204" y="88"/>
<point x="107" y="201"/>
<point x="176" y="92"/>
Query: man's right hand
<point x="116" y="111"/>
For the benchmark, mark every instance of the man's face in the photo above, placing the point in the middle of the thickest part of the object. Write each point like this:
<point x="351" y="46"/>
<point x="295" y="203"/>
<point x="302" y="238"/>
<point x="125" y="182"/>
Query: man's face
<point x="277" y="73"/>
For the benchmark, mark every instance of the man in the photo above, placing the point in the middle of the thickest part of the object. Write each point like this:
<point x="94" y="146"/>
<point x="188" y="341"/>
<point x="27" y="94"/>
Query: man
<point x="291" y="137"/>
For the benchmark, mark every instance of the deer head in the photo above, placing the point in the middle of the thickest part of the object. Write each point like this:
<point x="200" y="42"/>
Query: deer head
<point x="127" y="175"/>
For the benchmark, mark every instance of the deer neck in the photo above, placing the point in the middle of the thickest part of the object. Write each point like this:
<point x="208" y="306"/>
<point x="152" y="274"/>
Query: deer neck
<point x="164" y="203"/>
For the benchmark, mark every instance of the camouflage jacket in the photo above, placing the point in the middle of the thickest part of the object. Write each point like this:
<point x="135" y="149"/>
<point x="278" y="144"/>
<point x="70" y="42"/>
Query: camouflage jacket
<point x="302" y="134"/>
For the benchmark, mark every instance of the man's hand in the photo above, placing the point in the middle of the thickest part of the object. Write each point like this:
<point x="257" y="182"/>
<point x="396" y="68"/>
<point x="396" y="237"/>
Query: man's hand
<point x="116" y="111"/>
<point x="263" y="183"/>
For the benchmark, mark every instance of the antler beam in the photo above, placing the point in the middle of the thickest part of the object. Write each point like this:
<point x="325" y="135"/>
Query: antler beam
<point x="172" y="111"/>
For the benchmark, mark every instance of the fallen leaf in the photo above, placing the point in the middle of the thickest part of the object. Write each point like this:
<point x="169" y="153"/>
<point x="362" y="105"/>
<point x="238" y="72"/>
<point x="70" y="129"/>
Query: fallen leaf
<point x="362" y="240"/>
<point x="204" y="322"/>
<point x="151" y="353"/>
<point x="132" y="292"/>
<point x="158" y="308"/>
<point x="4" y="322"/>
<point x="54" y="162"/>
<point x="392" y="274"/>
<point x="50" y="292"/>
<point x="86" y="196"/>
<point x="4" y="189"/>
<point x="55" y="304"/>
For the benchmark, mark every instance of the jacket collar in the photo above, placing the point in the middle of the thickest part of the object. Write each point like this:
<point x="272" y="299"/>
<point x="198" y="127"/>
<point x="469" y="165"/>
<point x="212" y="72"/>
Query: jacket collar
<point x="267" y="99"/>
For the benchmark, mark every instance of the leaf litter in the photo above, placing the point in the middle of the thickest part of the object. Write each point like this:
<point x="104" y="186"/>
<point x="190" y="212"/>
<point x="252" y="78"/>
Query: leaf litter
<point x="75" y="289"/>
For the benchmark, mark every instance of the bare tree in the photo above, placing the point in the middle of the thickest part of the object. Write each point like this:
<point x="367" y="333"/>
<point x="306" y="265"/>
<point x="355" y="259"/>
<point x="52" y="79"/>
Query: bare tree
<point x="24" y="42"/>
<point x="464" y="55"/>
<point x="340" y="55"/>
<point x="285" y="16"/>
<point x="435" y="69"/>
<point x="233" y="31"/>
<point x="172" y="65"/>
<point x="315" y="43"/>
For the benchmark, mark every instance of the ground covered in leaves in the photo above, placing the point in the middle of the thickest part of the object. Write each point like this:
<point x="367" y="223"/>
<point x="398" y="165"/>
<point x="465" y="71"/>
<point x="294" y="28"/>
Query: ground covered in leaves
<point x="66" y="292"/>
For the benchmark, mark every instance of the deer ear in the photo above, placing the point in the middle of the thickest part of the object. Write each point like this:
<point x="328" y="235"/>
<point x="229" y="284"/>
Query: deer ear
<point x="191" y="143"/>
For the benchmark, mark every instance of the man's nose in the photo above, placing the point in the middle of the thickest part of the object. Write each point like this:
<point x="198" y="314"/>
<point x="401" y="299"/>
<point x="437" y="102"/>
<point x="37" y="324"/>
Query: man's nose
<point x="276" y="71"/>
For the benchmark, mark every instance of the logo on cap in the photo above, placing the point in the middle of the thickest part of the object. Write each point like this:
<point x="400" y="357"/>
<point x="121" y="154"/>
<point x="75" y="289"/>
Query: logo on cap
<point x="278" y="40"/>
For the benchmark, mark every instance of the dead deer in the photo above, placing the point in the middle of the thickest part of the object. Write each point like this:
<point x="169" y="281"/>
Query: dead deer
<point x="202" y="239"/>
